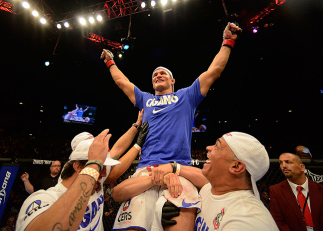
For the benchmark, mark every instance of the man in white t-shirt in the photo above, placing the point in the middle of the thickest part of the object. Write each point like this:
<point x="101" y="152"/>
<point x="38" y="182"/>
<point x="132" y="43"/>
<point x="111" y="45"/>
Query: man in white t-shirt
<point x="63" y="207"/>
<point x="230" y="198"/>
<point x="91" y="202"/>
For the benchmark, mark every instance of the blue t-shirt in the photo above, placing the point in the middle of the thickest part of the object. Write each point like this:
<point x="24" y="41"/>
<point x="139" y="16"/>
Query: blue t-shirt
<point x="79" y="113"/>
<point x="170" y="119"/>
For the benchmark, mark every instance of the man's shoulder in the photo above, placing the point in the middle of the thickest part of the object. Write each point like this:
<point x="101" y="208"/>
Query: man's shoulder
<point x="277" y="186"/>
<point x="315" y="183"/>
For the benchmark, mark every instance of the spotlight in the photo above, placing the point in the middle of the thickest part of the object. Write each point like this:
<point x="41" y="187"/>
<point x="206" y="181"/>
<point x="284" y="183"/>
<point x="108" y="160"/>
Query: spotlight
<point x="143" y="5"/>
<point x="46" y="63"/>
<point x="82" y="21"/>
<point x="126" y="47"/>
<point x="59" y="26"/>
<point x="254" y="30"/>
<point x="35" y="13"/>
<point x="25" y="5"/>
<point x="42" y="21"/>
<point x="120" y="55"/>
<point x="152" y="3"/>
<point x="163" y="2"/>
<point x="91" y="19"/>
<point x="66" y="24"/>
<point x="174" y="0"/>
<point x="99" y="17"/>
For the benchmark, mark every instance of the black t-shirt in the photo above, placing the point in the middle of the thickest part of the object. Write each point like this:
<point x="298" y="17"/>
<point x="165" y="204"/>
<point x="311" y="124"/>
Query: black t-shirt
<point x="46" y="182"/>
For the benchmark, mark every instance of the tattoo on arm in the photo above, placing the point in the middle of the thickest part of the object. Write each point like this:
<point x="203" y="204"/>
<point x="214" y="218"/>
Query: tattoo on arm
<point x="59" y="227"/>
<point x="116" y="157"/>
<point x="81" y="200"/>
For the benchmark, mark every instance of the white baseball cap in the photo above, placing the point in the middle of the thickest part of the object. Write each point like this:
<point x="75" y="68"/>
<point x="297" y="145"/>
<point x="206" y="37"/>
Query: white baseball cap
<point x="80" y="137"/>
<point x="82" y="150"/>
<point x="252" y="153"/>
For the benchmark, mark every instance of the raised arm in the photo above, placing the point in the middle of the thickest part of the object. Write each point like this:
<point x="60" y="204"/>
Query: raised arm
<point x="68" y="211"/>
<point x="119" y="78"/>
<point x="86" y="108"/>
<point x="129" y="157"/>
<point x="126" y="139"/>
<point x="219" y="62"/>
<point x="28" y="186"/>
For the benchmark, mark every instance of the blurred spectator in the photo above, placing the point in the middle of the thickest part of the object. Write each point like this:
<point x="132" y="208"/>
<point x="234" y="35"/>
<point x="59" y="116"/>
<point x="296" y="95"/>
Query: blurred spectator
<point x="46" y="181"/>
<point x="264" y="197"/>
<point x="303" y="152"/>
<point x="11" y="221"/>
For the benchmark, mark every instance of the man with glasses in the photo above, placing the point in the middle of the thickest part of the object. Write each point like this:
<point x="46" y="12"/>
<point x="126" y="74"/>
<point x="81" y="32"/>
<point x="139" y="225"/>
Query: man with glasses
<point x="46" y="181"/>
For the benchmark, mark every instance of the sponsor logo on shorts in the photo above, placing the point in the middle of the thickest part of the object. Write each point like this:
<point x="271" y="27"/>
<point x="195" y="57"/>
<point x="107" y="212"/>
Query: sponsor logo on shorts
<point x="218" y="219"/>
<point x="125" y="217"/>
<point x="126" y="205"/>
<point x="186" y="205"/>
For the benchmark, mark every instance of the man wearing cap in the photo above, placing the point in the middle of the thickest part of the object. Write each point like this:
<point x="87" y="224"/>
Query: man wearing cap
<point x="63" y="207"/>
<point x="230" y="198"/>
<point x="296" y="203"/>
<point x="174" y="110"/>
<point x="80" y="144"/>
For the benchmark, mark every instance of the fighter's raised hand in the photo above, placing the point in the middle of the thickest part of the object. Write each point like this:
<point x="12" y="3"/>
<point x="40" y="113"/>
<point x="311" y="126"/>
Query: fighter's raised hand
<point x="106" y="55"/>
<point x="230" y="31"/>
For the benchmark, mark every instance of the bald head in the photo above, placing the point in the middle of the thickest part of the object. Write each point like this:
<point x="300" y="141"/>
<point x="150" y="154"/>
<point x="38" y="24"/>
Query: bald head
<point x="298" y="160"/>
<point x="292" y="167"/>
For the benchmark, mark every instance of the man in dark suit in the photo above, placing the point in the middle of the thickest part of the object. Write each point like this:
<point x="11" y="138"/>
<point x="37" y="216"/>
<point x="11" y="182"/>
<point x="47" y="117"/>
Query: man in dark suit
<point x="296" y="204"/>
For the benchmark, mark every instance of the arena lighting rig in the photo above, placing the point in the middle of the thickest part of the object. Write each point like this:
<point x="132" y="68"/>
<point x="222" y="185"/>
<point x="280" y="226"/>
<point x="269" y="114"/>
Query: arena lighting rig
<point x="254" y="23"/>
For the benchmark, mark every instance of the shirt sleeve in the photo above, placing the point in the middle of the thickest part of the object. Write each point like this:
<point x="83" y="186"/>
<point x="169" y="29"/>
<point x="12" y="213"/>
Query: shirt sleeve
<point x="139" y="95"/>
<point x="194" y="93"/>
<point x="34" y="205"/>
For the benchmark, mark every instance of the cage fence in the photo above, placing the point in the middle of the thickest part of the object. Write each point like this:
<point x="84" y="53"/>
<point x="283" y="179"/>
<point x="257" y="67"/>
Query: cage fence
<point x="37" y="168"/>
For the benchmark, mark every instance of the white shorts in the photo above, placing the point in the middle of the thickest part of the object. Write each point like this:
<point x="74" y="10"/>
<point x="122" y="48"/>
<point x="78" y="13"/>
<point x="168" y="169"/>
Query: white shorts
<point x="140" y="211"/>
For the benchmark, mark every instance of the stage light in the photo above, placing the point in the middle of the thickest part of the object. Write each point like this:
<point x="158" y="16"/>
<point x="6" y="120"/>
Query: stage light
<point x="174" y="0"/>
<point x="42" y="21"/>
<point x="126" y="47"/>
<point x="290" y="111"/>
<point x="20" y="103"/>
<point x="91" y="19"/>
<point x="99" y="17"/>
<point x="120" y="55"/>
<point x="46" y="63"/>
<point x="25" y="5"/>
<point x="163" y="2"/>
<point x="66" y="24"/>
<point x="152" y="3"/>
<point x="143" y="5"/>
<point x="82" y="21"/>
<point x="35" y="13"/>
<point x="254" y="30"/>
<point x="256" y="119"/>
<point x="59" y="26"/>
<point x="41" y="110"/>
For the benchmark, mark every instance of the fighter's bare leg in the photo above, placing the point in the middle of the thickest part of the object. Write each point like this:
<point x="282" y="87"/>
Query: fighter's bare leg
<point x="185" y="221"/>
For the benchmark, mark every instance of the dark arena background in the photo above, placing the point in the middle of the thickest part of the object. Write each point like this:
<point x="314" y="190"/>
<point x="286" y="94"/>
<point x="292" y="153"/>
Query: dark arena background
<point x="271" y="88"/>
